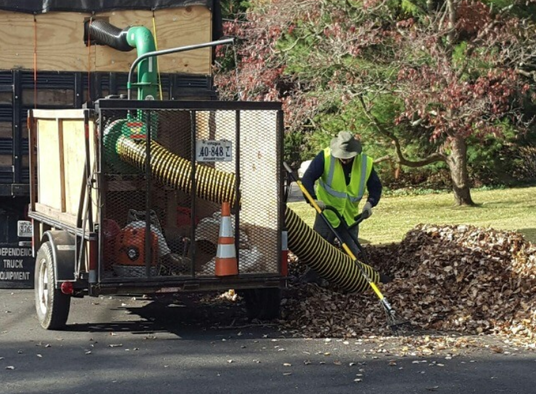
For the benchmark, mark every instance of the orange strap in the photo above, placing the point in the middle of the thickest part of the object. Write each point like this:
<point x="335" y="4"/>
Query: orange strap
<point x="35" y="62"/>
<point x="156" y="58"/>
<point x="89" y="59"/>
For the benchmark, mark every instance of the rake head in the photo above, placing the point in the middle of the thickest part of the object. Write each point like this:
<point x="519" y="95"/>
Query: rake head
<point x="395" y="323"/>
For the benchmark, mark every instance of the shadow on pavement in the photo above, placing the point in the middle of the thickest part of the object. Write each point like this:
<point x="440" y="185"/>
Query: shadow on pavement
<point x="185" y="315"/>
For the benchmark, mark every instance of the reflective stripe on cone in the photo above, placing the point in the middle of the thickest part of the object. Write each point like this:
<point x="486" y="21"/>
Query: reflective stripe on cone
<point x="226" y="262"/>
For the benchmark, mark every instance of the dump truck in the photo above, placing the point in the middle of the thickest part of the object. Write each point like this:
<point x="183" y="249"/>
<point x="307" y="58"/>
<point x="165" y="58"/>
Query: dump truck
<point x="126" y="181"/>
<point x="46" y="62"/>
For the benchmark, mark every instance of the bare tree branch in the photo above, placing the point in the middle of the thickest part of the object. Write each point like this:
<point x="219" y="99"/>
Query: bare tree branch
<point x="382" y="159"/>
<point x="528" y="74"/>
<point x="400" y="158"/>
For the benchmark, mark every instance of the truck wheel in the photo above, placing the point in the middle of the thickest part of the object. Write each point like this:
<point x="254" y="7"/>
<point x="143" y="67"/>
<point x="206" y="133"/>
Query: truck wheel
<point x="263" y="304"/>
<point x="51" y="304"/>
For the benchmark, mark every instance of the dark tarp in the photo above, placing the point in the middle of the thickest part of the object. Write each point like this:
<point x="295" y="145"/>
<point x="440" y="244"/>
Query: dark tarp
<point x="42" y="6"/>
<point x="96" y="6"/>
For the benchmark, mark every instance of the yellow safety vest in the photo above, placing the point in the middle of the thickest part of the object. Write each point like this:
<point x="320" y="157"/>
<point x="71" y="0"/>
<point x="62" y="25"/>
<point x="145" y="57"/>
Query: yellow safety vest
<point x="332" y="188"/>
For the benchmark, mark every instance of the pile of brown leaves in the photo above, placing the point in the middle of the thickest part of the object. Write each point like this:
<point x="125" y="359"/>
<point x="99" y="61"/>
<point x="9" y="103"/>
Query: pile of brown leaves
<point x="447" y="278"/>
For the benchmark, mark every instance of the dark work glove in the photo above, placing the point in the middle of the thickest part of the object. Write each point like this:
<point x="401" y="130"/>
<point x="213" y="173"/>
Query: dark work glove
<point x="321" y="204"/>
<point x="367" y="211"/>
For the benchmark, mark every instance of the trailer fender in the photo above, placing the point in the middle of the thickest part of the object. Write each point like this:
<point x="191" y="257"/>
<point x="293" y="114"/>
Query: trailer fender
<point x="63" y="254"/>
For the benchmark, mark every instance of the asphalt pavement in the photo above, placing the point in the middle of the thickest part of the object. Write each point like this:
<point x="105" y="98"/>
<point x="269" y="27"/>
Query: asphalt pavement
<point x="191" y="345"/>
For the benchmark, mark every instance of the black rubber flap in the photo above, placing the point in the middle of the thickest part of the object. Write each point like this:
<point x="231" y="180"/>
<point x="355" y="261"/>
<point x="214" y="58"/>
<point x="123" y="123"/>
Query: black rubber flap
<point x="42" y="6"/>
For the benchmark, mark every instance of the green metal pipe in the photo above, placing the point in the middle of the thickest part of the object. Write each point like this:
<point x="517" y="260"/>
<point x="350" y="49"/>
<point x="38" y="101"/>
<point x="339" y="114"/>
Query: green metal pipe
<point x="142" y="39"/>
<point x="140" y="58"/>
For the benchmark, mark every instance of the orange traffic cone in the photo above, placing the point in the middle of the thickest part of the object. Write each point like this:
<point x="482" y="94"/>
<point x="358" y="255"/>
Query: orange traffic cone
<point x="226" y="262"/>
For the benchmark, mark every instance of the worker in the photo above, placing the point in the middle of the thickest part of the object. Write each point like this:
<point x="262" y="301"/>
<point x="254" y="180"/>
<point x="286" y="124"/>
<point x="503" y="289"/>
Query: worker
<point x="343" y="173"/>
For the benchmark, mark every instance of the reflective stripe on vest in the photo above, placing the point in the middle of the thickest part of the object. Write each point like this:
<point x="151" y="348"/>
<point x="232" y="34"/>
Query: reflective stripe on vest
<point x="332" y="188"/>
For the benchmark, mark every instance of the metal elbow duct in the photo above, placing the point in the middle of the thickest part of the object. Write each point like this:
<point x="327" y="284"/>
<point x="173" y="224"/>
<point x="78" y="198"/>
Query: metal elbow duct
<point x="141" y="38"/>
<point x="125" y="40"/>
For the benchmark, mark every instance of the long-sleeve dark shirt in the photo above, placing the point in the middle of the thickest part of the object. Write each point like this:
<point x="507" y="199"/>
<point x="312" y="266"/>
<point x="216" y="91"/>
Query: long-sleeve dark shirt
<point x="316" y="169"/>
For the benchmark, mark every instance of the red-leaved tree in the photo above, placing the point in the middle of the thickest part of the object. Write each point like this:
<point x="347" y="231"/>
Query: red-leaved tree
<point x="454" y="69"/>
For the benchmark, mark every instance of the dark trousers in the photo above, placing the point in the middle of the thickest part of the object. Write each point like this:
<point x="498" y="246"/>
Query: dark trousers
<point x="325" y="232"/>
<point x="322" y="228"/>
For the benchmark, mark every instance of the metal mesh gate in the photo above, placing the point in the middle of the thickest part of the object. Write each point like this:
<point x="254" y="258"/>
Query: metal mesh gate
<point x="160" y="215"/>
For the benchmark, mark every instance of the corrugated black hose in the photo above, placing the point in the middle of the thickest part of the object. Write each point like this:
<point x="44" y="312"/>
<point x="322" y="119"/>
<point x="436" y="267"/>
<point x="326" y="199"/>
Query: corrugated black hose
<point x="105" y="33"/>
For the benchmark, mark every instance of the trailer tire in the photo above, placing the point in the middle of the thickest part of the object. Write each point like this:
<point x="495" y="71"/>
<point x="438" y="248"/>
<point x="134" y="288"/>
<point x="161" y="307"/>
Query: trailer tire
<point x="263" y="304"/>
<point x="52" y="306"/>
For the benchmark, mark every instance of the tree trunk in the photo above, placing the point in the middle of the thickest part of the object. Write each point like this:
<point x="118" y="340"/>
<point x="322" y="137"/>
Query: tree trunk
<point x="457" y="162"/>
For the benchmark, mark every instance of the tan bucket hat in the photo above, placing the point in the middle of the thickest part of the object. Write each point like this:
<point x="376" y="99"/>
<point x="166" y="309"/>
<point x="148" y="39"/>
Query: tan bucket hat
<point x="345" y="146"/>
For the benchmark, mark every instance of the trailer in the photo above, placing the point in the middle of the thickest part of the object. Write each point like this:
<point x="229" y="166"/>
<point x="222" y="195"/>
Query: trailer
<point x="126" y="199"/>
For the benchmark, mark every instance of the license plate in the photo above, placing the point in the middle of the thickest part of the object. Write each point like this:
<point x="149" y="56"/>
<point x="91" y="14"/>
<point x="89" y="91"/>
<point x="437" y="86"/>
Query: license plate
<point x="24" y="228"/>
<point x="212" y="150"/>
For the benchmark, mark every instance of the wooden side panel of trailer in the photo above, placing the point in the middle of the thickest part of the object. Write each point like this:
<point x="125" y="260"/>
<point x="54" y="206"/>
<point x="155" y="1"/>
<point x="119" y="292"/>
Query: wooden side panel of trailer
<point x="54" y="41"/>
<point x="60" y="163"/>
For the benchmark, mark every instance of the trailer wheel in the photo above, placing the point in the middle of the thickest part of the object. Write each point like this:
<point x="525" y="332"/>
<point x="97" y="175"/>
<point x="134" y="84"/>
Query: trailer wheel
<point x="263" y="304"/>
<point x="51" y="304"/>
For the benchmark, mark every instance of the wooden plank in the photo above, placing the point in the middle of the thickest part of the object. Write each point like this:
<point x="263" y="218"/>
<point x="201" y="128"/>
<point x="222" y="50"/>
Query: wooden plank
<point x="60" y="45"/>
<point x="48" y="157"/>
<point x="59" y="154"/>
<point x="55" y="214"/>
<point x="97" y="187"/>
<point x="32" y="141"/>
<point x="75" y="160"/>
<point x="59" y="125"/>
<point x="61" y="133"/>
<point x="58" y="114"/>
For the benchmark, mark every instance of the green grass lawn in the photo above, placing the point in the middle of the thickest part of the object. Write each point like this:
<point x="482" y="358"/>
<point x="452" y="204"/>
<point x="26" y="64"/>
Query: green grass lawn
<point x="505" y="209"/>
